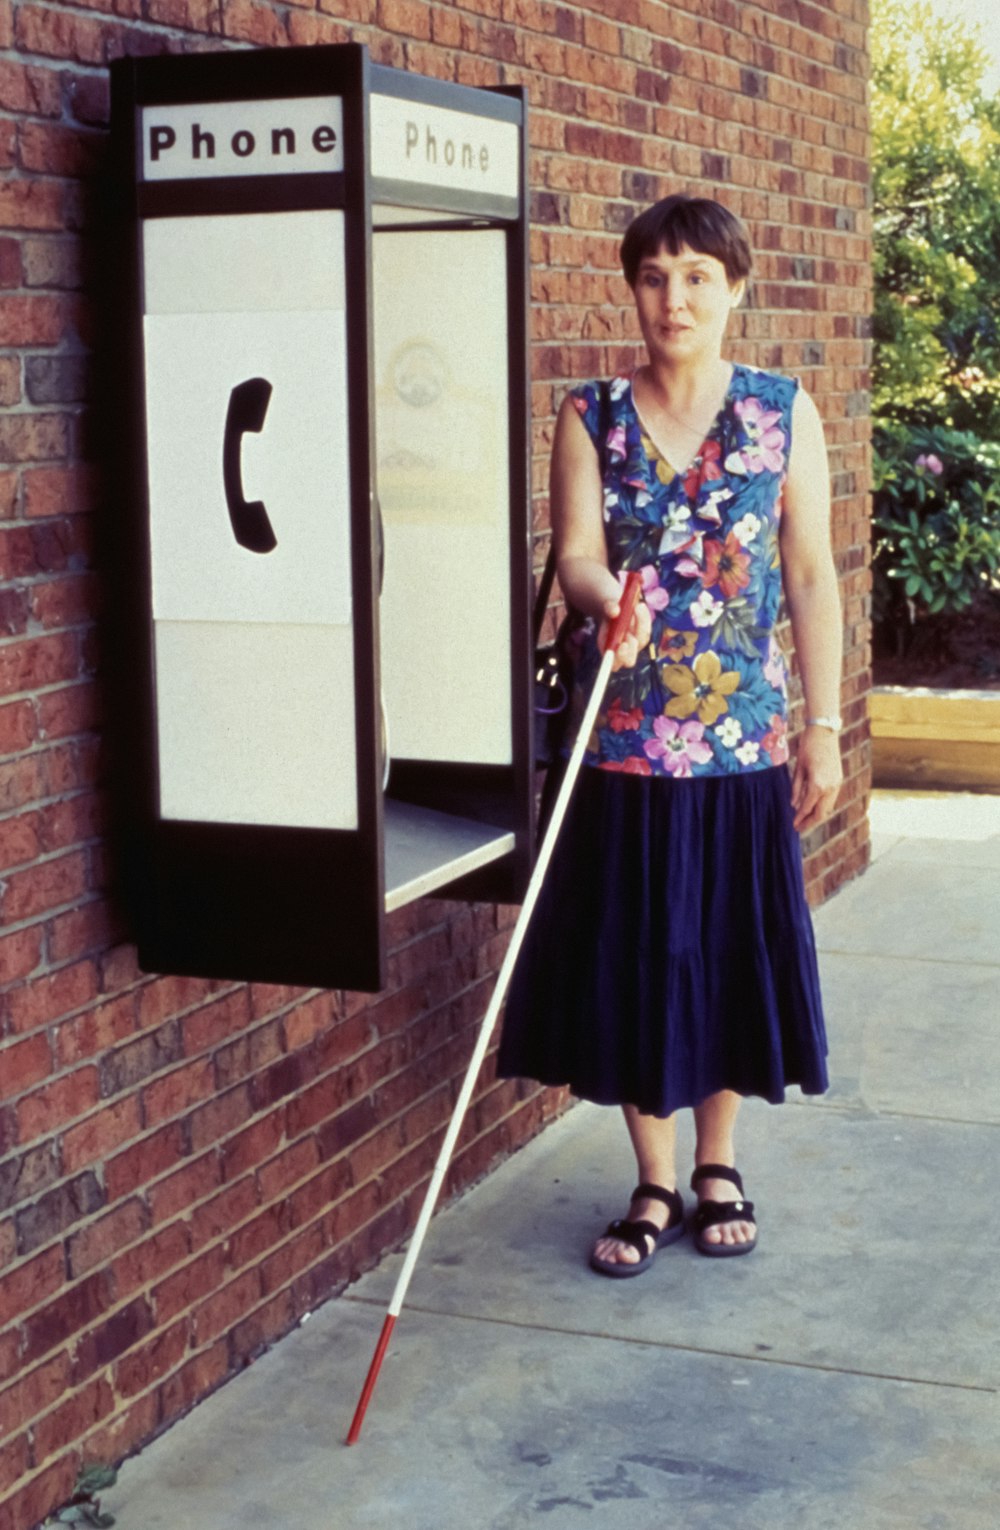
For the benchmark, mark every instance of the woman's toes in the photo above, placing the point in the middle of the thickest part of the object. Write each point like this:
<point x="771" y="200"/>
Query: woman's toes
<point x="614" y="1251"/>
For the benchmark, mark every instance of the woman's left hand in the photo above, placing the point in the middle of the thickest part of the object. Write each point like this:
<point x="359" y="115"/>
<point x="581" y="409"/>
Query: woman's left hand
<point x="819" y="775"/>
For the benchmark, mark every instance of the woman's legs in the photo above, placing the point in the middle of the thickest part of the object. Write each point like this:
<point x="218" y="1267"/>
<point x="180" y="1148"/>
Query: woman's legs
<point x="654" y="1143"/>
<point x="714" y="1121"/>
<point x="653" y="1139"/>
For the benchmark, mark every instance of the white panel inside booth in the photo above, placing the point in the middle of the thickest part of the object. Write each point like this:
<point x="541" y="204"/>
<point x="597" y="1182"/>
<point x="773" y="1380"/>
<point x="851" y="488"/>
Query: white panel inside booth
<point x="248" y="731"/>
<point x="441" y="399"/>
<point x="247" y="264"/>
<point x="254" y="650"/>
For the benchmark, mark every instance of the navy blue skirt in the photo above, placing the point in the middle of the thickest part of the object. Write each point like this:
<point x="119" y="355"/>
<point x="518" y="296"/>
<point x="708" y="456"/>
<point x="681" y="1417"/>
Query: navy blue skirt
<point x="671" y="950"/>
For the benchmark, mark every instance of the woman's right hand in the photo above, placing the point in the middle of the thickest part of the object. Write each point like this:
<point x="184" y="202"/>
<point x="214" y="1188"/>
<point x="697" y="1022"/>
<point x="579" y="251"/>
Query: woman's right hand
<point x="637" y="637"/>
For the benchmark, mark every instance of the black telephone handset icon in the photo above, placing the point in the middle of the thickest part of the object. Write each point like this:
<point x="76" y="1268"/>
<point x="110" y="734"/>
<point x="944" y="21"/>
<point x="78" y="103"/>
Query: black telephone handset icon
<point x="247" y="407"/>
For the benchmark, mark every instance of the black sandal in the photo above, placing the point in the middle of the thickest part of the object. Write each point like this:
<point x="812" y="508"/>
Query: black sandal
<point x="713" y="1213"/>
<point x="640" y="1234"/>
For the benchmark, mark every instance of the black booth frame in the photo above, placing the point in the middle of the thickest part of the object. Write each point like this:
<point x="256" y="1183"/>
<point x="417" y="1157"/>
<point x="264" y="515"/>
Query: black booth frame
<point x="270" y="903"/>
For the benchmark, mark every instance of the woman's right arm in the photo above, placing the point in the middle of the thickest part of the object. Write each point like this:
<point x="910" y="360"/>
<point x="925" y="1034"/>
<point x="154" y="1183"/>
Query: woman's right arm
<point x="577" y="509"/>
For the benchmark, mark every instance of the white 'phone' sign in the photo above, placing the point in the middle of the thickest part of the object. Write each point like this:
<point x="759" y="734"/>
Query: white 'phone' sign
<point x="279" y="137"/>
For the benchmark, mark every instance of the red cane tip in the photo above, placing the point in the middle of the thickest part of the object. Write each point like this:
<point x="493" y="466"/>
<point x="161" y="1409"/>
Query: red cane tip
<point x="354" y="1433"/>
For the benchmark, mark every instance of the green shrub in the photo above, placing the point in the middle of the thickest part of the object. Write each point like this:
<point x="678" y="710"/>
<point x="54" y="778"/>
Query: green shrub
<point x="936" y="524"/>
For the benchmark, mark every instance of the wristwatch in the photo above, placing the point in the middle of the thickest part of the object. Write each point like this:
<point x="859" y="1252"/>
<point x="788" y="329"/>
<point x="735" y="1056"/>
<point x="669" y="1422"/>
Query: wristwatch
<point x="835" y="724"/>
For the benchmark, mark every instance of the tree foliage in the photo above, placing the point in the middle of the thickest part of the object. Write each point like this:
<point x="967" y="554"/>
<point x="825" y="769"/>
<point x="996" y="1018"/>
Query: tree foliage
<point x="937" y="222"/>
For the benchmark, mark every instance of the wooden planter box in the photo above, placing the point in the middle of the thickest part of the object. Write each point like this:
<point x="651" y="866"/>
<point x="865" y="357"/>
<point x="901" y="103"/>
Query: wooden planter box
<point x="931" y="739"/>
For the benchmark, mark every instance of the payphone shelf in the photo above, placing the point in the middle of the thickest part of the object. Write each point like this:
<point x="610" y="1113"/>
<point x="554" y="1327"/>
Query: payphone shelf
<point x="426" y="850"/>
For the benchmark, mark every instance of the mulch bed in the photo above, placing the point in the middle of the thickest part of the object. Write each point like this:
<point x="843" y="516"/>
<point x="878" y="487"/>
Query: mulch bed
<point x="948" y="653"/>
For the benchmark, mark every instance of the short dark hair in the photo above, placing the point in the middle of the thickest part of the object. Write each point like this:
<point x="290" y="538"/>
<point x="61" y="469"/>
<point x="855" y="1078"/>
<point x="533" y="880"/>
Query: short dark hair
<point x="697" y="222"/>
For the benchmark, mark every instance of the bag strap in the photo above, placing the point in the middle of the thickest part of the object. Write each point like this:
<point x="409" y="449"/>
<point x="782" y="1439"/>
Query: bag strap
<point x="549" y="571"/>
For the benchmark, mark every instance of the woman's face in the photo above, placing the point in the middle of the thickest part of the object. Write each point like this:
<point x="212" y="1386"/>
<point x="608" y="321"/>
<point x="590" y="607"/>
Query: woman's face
<point x="683" y="303"/>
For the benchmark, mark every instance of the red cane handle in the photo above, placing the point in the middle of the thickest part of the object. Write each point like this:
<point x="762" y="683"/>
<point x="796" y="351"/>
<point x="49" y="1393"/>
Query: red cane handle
<point x="618" y="630"/>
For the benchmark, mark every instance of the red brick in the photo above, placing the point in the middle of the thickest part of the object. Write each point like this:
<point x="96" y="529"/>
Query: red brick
<point x="53" y="1106"/>
<point x="295" y="1163"/>
<point x="186" y="15"/>
<point x="168" y="996"/>
<point x="44" y="887"/>
<point x="43" y="1493"/>
<point x="281" y="1267"/>
<point x="20" y="954"/>
<point x="95" y="1031"/>
<point x="19" y="841"/>
<point x="18" y="727"/>
<point x="217" y="1217"/>
<point x="248" y="1243"/>
<point x="174" y="1094"/>
<point x="226" y="1306"/>
<point x="145" y="1161"/>
<point x="124" y="1431"/>
<point x="32" y="320"/>
<point x="29" y="663"/>
<point x="15" y="1460"/>
<point x="91" y="928"/>
<point x="34" y="1391"/>
<point x="74" y="1308"/>
<point x="31" y="205"/>
<point x="192" y="1382"/>
<point x="192" y="1183"/>
<point x="59" y="490"/>
<point x="180" y="1291"/>
<point x="244" y="1151"/>
<point x="28" y="89"/>
<point x="51" y="150"/>
<point x="57" y="34"/>
<point x="50" y="996"/>
<point x="72" y="709"/>
<point x="246" y="21"/>
<point x="219" y="1117"/>
<point x="9" y="493"/>
<point x="144" y="1366"/>
<point x="10" y="374"/>
<point x="100" y="1134"/>
<point x="411" y="17"/>
<point x="151" y="1260"/>
<point x="68" y="603"/>
<point x="261" y="1328"/>
<point x="52" y="262"/>
<point x="115" y="1334"/>
<point x="204" y="1029"/>
<point x="22" y="1064"/>
<point x="73" y="1419"/>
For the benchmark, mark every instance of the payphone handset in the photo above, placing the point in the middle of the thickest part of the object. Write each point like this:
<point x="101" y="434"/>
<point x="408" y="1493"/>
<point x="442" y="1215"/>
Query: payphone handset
<point x="251" y="525"/>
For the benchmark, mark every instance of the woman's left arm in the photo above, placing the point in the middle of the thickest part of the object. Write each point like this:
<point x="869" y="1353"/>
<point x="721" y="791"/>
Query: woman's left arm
<point x="813" y="599"/>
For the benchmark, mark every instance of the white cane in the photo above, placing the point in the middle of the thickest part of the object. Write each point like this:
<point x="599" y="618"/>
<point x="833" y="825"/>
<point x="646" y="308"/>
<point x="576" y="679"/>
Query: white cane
<point x="616" y="635"/>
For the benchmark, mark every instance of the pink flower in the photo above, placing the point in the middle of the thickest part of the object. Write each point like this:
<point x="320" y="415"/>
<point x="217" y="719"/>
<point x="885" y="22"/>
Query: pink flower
<point x="616" y="442"/>
<point x="656" y="598"/>
<point x="678" y="744"/>
<point x="756" y="419"/>
<point x="932" y="462"/>
<point x="775" y="672"/>
<point x="776" y="742"/>
<point x="767" y="442"/>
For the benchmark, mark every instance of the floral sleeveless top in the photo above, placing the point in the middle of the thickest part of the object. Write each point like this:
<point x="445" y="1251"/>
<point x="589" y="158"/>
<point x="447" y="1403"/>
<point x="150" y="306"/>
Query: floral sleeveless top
<point x="708" y="696"/>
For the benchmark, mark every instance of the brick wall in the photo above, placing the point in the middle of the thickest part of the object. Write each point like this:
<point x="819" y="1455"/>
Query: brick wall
<point x="187" y="1167"/>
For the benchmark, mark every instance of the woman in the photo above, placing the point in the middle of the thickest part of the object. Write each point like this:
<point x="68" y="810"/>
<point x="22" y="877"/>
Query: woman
<point x="671" y="961"/>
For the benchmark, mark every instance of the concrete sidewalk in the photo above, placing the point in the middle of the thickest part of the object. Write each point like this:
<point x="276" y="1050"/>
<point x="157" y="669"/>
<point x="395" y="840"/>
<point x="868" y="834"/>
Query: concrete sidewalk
<point x="843" y="1378"/>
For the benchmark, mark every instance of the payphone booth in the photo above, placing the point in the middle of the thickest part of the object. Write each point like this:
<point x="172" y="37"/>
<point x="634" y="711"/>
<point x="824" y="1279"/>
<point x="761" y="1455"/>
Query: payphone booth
<point x="324" y="575"/>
